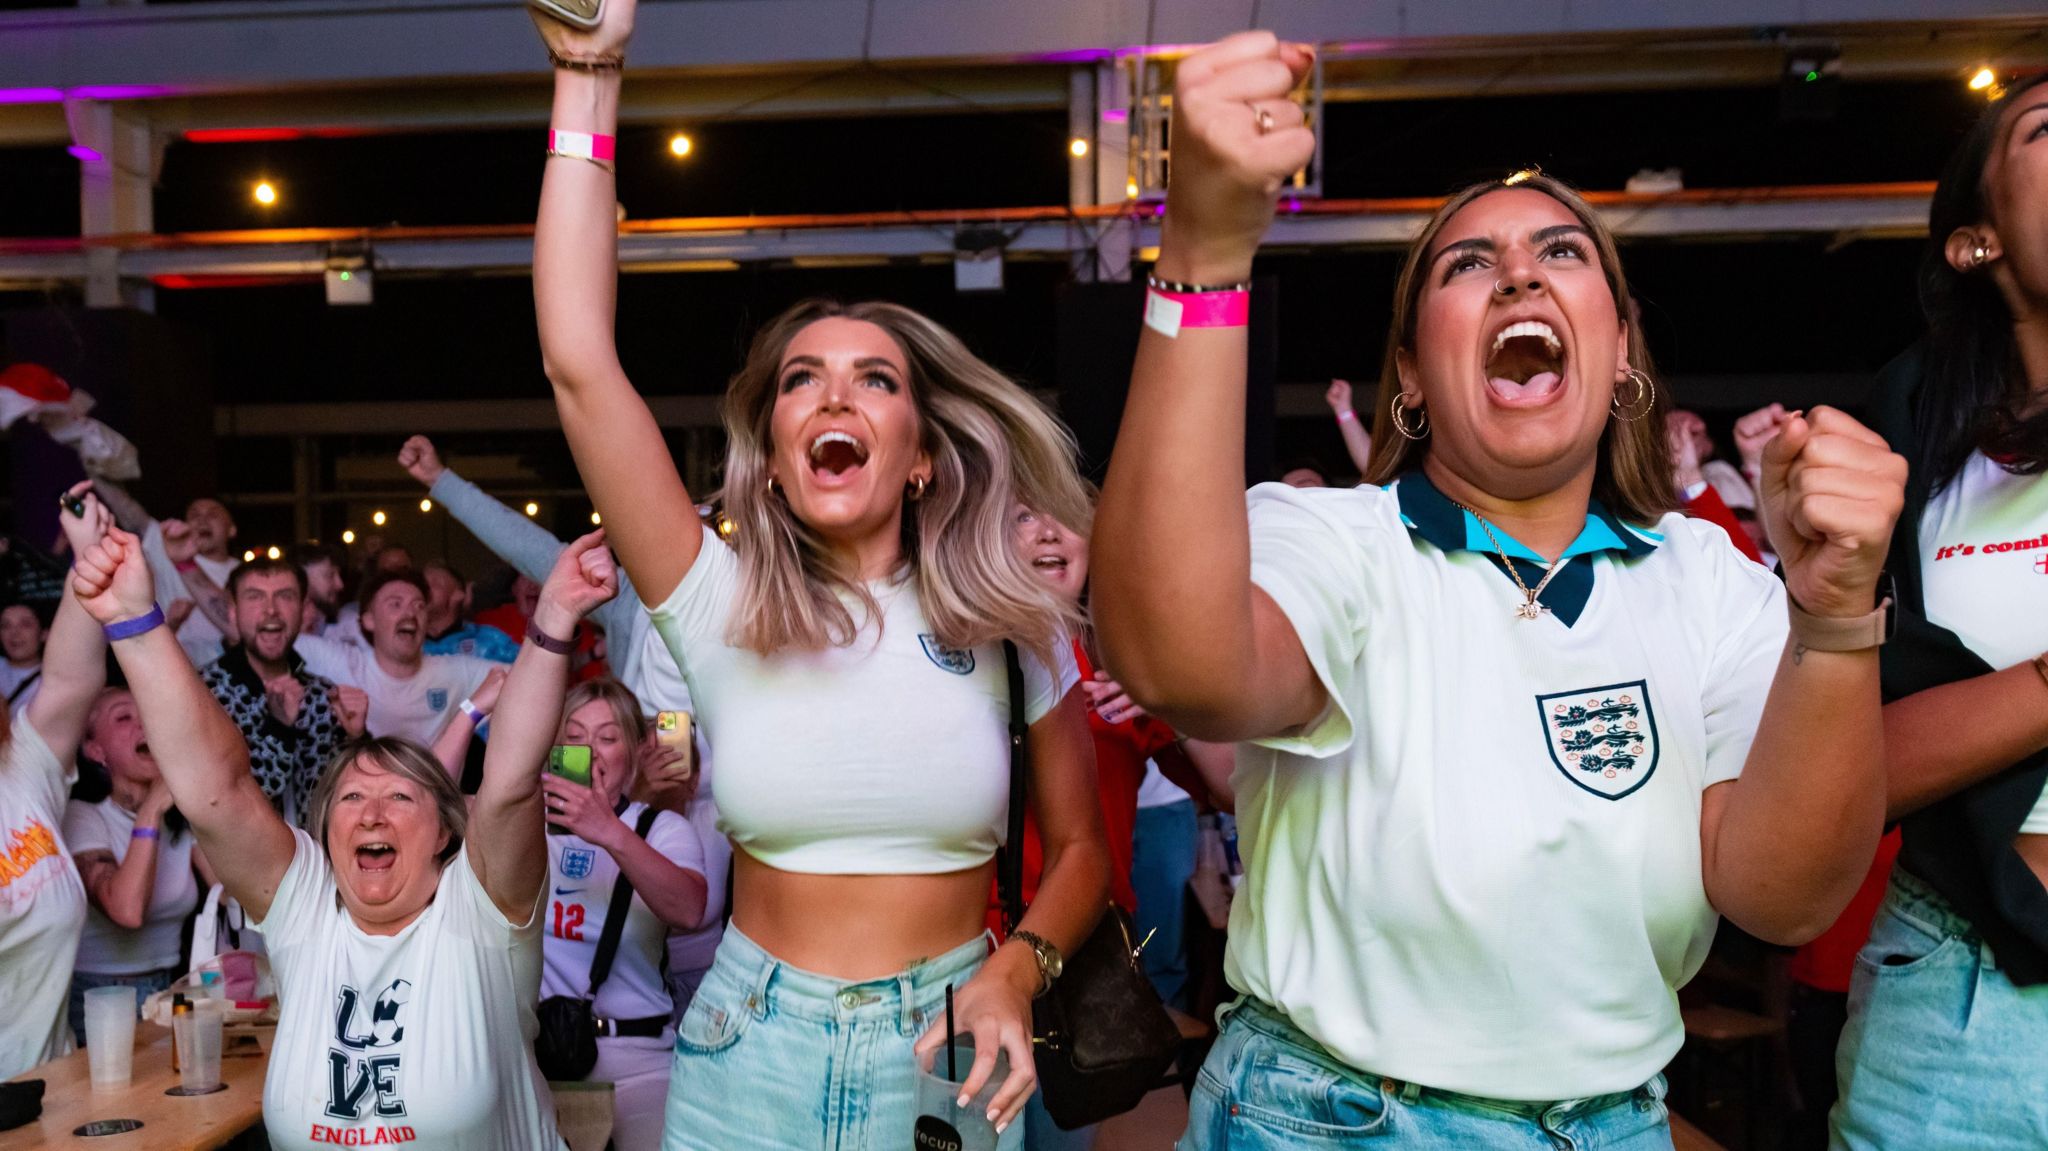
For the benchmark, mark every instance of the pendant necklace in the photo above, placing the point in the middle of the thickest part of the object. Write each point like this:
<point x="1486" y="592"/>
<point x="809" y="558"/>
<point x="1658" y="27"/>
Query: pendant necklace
<point x="1530" y="607"/>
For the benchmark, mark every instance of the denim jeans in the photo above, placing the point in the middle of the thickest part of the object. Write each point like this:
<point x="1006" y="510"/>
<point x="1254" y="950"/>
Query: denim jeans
<point x="1162" y="860"/>
<point x="1266" y="1086"/>
<point x="1941" y="1049"/>
<point x="144" y="984"/>
<point x="771" y="1056"/>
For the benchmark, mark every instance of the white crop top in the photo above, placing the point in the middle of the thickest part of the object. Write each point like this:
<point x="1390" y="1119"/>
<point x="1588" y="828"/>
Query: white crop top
<point x="1984" y="570"/>
<point x="888" y="756"/>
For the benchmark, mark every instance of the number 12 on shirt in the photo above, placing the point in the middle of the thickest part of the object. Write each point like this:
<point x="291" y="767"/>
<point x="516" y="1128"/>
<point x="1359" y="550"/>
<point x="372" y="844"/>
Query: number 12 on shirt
<point x="568" y="921"/>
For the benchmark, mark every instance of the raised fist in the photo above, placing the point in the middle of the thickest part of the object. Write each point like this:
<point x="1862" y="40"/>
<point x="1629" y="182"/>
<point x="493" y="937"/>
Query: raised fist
<point x="606" y="40"/>
<point x="284" y="695"/>
<point x="1338" y="396"/>
<point x="111" y="579"/>
<point x="351" y="709"/>
<point x="1831" y="492"/>
<point x="181" y="544"/>
<point x="584" y="577"/>
<point x="421" y="461"/>
<point x="1237" y="138"/>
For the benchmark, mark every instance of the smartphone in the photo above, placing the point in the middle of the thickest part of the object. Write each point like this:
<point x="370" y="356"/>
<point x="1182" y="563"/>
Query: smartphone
<point x="571" y="762"/>
<point x="576" y="13"/>
<point x="672" y="730"/>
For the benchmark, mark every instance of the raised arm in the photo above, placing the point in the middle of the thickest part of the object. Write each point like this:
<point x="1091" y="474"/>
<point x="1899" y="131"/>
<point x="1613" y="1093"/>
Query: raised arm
<point x="618" y="447"/>
<point x="75" y="655"/>
<point x="197" y="747"/>
<point x="182" y="549"/>
<point x="1196" y="643"/>
<point x="128" y="513"/>
<point x="121" y="890"/>
<point x="506" y="838"/>
<point x="1357" y="440"/>
<point x="1784" y="847"/>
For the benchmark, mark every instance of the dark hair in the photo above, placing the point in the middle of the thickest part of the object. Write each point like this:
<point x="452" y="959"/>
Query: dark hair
<point x="443" y="566"/>
<point x="377" y="581"/>
<point x="1302" y="464"/>
<point x="263" y="565"/>
<point x="306" y="555"/>
<point x="1971" y="388"/>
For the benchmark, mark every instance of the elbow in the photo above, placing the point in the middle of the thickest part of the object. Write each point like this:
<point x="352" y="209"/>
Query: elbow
<point x="1789" y="930"/>
<point x="128" y="917"/>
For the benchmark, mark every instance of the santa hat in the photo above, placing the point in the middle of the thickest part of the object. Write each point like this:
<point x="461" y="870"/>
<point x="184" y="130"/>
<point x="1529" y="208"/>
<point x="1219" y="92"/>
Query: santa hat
<point x="37" y="393"/>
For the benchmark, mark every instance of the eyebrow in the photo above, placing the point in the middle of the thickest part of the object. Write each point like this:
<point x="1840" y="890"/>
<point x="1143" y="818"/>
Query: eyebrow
<point x="1539" y="236"/>
<point x="818" y="362"/>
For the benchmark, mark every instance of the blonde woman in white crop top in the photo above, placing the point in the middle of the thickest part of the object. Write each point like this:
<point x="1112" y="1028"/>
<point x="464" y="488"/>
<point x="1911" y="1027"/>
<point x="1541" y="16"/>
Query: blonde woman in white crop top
<point x="404" y="927"/>
<point x="845" y="655"/>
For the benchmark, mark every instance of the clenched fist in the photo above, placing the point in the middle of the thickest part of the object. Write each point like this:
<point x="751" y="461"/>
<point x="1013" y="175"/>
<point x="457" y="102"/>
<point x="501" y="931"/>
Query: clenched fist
<point x="111" y="579"/>
<point x="1237" y="138"/>
<point x="1831" y="492"/>
<point x="421" y="461"/>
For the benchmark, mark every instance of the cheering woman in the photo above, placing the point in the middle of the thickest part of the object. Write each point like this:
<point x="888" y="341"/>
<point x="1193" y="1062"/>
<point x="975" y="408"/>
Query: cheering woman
<point x="1517" y="731"/>
<point x="844" y="653"/>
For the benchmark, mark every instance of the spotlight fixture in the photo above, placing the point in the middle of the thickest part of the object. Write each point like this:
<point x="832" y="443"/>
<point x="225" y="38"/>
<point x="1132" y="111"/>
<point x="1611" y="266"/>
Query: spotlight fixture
<point x="264" y="193"/>
<point x="1810" y="86"/>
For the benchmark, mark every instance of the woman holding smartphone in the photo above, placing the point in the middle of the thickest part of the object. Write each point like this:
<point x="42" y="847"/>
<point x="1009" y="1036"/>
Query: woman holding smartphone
<point x="844" y="654"/>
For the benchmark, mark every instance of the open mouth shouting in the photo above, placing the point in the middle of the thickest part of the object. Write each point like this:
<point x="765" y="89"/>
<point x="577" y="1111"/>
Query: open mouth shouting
<point x="1526" y="364"/>
<point x="375" y="855"/>
<point x="836" y="457"/>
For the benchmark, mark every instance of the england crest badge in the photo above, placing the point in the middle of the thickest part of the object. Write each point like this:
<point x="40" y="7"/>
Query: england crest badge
<point x="1603" y="739"/>
<point x="959" y="661"/>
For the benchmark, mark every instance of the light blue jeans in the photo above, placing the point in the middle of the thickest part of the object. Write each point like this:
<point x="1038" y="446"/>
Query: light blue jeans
<point x="1941" y="1050"/>
<point x="1266" y="1086"/>
<point x="1162" y="861"/>
<point x="771" y="1056"/>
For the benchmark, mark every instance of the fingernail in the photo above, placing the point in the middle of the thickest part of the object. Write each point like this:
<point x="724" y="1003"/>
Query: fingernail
<point x="1001" y="1127"/>
<point x="961" y="1102"/>
<point x="992" y="1118"/>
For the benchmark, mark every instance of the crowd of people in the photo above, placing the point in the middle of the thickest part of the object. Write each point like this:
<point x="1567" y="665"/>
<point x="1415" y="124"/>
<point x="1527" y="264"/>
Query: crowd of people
<point x="1509" y="728"/>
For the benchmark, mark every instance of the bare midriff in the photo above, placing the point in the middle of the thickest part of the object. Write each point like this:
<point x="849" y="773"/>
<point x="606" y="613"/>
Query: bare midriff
<point x="2034" y="849"/>
<point x="857" y="927"/>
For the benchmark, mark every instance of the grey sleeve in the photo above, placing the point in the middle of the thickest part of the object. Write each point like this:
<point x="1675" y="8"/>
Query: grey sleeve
<point x="530" y="548"/>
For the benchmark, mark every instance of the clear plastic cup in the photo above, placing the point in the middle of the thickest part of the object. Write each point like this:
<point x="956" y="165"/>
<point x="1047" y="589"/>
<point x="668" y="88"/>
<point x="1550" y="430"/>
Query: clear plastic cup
<point x="197" y="1033"/>
<point x="110" y="1035"/>
<point x="941" y="1124"/>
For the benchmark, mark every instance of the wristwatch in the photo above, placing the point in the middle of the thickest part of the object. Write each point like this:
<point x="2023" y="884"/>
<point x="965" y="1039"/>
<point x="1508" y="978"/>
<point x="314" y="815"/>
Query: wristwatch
<point x="1050" y="963"/>
<point x="1856" y="633"/>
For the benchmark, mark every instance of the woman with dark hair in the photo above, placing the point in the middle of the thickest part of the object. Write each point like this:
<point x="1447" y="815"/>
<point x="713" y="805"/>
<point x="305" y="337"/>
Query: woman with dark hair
<point x="844" y="649"/>
<point x="1948" y="1009"/>
<point x="1515" y="732"/>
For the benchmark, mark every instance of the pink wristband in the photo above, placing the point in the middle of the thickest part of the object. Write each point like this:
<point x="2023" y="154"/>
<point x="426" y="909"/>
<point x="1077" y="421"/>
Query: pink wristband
<point x="1168" y="312"/>
<point x="582" y="145"/>
<point x="1346" y="416"/>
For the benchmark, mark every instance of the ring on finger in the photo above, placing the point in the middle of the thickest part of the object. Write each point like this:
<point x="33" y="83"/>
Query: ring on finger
<point x="1264" y="118"/>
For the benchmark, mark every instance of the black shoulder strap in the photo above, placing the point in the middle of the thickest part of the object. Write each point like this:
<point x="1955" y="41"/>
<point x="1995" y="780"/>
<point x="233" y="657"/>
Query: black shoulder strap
<point x="1010" y="866"/>
<point x="615" y="915"/>
<point x="24" y="685"/>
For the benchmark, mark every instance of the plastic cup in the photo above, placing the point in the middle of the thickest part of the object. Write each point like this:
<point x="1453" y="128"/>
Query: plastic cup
<point x="197" y="1033"/>
<point x="941" y="1124"/>
<point x="110" y="1035"/>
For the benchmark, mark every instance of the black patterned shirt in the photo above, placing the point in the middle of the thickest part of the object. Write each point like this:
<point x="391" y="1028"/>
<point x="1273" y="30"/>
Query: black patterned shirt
<point x="287" y="759"/>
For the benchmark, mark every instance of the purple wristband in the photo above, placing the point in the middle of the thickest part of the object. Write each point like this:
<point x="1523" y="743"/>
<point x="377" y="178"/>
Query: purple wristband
<point x="142" y="833"/>
<point x="546" y="642"/>
<point x="130" y="628"/>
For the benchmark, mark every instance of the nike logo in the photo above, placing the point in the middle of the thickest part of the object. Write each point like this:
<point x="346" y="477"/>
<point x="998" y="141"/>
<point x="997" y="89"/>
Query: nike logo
<point x="568" y="891"/>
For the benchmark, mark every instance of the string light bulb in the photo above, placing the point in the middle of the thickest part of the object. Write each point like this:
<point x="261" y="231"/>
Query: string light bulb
<point x="265" y="193"/>
<point x="532" y="509"/>
<point x="426" y="505"/>
<point x="680" y="145"/>
<point x="377" y="518"/>
<point x="1982" y="79"/>
<point x="1130" y="189"/>
<point x="249" y="557"/>
<point x="1078" y="147"/>
<point x="275" y="552"/>
<point x="348" y="536"/>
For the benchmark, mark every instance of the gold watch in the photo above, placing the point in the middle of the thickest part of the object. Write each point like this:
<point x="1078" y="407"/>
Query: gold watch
<point x="1050" y="962"/>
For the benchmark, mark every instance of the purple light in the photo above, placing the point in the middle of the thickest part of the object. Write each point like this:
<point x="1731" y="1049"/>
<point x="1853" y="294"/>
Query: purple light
<point x="1159" y="209"/>
<point x="1116" y="115"/>
<point x="120" y="91"/>
<point x="1293" y="205"/>
<point x="1075" y="56"/>
<point x="89" y="155"/>
<point x="30" y="96"/>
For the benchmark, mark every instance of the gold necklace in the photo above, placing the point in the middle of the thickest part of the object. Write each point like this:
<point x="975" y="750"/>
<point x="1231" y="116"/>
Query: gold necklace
<point x="1531" y="607"/>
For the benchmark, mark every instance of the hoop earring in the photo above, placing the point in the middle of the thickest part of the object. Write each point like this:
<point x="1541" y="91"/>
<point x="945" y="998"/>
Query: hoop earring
<point x="1421" y="428"/>
<point x="1645" y="399"/>
<point x="770" y="486"/>
<point x="1978" y="256"/>
<point x="917" y="486"/>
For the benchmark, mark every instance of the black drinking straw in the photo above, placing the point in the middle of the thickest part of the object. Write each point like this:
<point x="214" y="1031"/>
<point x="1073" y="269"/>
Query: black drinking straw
<point x="952" y="1058"/>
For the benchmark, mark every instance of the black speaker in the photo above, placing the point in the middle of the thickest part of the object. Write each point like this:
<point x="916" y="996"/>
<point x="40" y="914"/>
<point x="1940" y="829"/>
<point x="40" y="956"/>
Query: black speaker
<point x="1097" y="342"/>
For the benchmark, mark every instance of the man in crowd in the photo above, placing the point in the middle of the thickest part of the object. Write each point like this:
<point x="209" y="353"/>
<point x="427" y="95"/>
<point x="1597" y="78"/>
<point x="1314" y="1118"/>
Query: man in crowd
<point x="450" y="631"/>
<point x="412" y="694"/>
<point x="293" y="720"/>
<point x="325" y="568"/>
<point x="191" y="553"/>
<point x="22" y="632"/>
<point x="348" y="620"/>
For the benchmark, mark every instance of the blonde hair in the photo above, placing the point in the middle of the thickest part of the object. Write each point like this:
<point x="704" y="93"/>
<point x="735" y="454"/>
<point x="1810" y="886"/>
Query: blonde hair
<point x="1634" y="473"/>
<point x="991" y="445"/>
<point x="625" y="708"/>
<point x="402" y="758"/>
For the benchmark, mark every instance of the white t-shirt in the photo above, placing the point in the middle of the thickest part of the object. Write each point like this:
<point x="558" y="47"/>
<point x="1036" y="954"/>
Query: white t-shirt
<point x="107" y="948"/>
<point x="888" y="756"/>
<point x="1984" y="570"/>
<point x="416" y="708"/>
<point x="424" y="1037"/>
<point x="1158" y="791"/>
<point x="12" y="677"/>
<point x="1479" y="870"/>
<point x="580" y="879"/>
<point x="200" y="639"/>
<point x="42" y="903"/>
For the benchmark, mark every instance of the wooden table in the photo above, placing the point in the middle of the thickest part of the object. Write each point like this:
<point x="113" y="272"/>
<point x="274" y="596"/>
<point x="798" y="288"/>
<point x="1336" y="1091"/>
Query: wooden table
<point x="169" y="1123"/>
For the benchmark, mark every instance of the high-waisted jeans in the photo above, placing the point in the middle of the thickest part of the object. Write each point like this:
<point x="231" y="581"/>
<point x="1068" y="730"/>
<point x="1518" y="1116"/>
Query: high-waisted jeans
<point x="772" y="1056"/>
